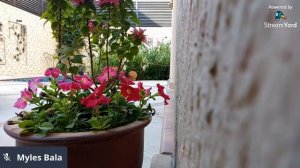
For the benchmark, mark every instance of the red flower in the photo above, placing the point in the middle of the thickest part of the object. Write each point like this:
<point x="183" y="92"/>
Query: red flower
<point x="96" y="98"/>
<point x="107" y="2"/>
<point x="99" y="90"/>
<point x="74" y="86"/>
<point x="144" y="91"/>
<point x="104" y="100"/>
<point x="126" y="80"/>
<point x="138" y="34"/>
<point x="104" y="77"/>
<point x="130" y="93"/>
<point x="77" y="2"/>
<point x="84" y="81"/>
<point x="66" y="86"/>
<point x="90" y="101"/>
<point x="162" y="93"/>
<point x="91" y="26"/>
<point x="53" y="72"/>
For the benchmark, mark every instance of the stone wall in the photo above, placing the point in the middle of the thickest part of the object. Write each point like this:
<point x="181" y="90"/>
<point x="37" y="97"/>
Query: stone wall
<point x="33" y="39"/>
<point x="238" y="85"/>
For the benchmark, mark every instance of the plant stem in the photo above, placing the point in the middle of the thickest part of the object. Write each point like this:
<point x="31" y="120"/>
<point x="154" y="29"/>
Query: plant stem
<point x="113" y="81"/>
<point x="108" y="32"/>
<point x="59" y="33"/>
<point x="91" y="57"/>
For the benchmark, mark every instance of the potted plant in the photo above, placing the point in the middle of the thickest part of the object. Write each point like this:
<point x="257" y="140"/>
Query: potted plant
<point x="99" y="118"/>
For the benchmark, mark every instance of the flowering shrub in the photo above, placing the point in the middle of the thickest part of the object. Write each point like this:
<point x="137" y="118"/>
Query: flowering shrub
<point x="78" y="104"/>
<point x="76" y="100"/>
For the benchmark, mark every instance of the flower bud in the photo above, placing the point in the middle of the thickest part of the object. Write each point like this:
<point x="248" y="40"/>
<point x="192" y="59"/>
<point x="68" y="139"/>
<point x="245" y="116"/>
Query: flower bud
<point x="43" y="94"/>
<point x="23" y="115"/>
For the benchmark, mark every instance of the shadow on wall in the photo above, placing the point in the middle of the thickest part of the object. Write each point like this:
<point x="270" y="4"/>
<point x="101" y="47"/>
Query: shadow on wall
<point x="146" y="21"/>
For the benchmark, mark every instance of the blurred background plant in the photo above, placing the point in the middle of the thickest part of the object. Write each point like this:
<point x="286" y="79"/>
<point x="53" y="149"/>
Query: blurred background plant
<point x="151" y="63"/>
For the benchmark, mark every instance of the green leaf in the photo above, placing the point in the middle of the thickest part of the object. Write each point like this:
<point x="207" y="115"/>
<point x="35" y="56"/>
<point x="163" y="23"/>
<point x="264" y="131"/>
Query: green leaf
<point x="95" y="123"/>
<point x="149" y="107"/>
<point x="99" y="123"/>
<point x="85" y="30"/>
<point x="26" y="124"/>
<point x="114" y="46"/>
<point x="46" y="126"/>
<point x="54" y="25"/>
<point x="72" y="124"/>
<point x="78" y="59"/>
<point x="116" y="33"/>
<point x="62" y="67"/>
<point x="68" y="50"/>
<point x="134" y="18"/>
<point x="129" y="56"/>
<point x="134" y="50"/>
<point x="126" y="25"/>
<point x="74" y="70"/>
<point x="45" y="15"/>
<point x="120" y="52"/>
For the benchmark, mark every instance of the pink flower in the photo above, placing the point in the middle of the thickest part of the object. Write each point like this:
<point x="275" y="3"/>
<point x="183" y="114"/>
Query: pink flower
<point x="99" y="90"/>
<point x="162" y="93"/>
<point x="104" y="77"/>
<point x="20" y="104"/>
<point x="26" y="95"/>
<point x="124" y="79"/>
<point x="107" y="2"/>
<point x="138" y="34"/>
<point x="77" y="2"/>
<point x="66" y="86"/>
<point x="104" y="100"/>
<point x="34" y="83"/>
<point x="75" y="86"/>
<point x="54" y="72"/>
<point x="84" y="81"/>
<point x="142" y="89"/>
<point x="92" y="100"/>
<point x="91" y="26"/>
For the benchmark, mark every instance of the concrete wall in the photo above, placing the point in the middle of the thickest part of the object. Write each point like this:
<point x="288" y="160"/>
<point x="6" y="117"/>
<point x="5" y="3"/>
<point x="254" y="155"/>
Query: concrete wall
<point x="238" y="85"/>
<point x="39" y="46"/>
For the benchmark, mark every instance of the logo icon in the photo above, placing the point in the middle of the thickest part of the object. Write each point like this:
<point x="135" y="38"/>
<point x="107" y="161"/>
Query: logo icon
<point x="6" y="157"/>
<point x="279" y="15"/>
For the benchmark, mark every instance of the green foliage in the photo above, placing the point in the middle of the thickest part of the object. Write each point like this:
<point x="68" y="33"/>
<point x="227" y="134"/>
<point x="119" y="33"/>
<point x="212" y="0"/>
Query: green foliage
<point x="70" y="25"/>
<point x="78" y="102"/>
<point x="59" y="111"/>
<point x="152" y="63"/>
<point x="99" y="63"/>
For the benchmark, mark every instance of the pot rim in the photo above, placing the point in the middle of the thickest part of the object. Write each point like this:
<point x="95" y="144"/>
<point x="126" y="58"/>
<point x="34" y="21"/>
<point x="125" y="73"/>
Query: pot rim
<point x="71" y="137"/>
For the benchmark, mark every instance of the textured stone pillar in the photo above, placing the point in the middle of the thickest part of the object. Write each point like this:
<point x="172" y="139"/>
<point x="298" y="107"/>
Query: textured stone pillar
<point x="238" y="85"/>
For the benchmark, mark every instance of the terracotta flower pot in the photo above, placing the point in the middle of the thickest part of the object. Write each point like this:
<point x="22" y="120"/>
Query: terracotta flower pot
<point x="120" y="147"/>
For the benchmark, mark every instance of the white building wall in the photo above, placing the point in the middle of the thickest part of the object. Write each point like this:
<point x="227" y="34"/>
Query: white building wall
<point x="39" y="44"/>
